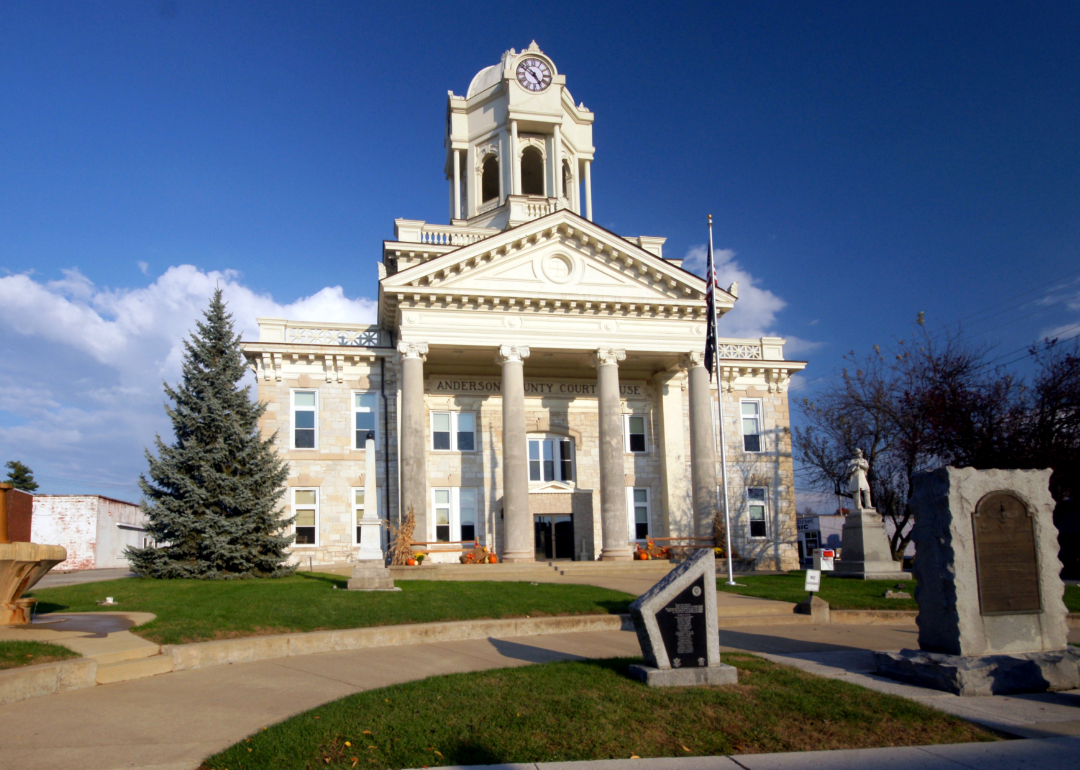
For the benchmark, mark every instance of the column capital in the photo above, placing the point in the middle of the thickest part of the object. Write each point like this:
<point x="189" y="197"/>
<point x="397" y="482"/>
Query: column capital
<point x="413" y="350"/>
<point x="608" y="356"/>
<point x="511" y="353"/>
<point x="693" y="358"/>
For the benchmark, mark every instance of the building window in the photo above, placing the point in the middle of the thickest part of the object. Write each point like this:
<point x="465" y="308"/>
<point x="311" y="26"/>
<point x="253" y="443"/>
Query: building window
<point x="634" y="433"/>
<point x="759" y="524"/>
<point x="467" y="512"/>
<point x="551" y="459"/>
<point x="751" y="426"/>
<point x="455" y="514"/>
<point x="365" y="417"/>
<point x="489" y="179"/>
<point x="306" y="511"/>
<point x="453" y="431"/>
<point x="637" y="500"/>
<point x="305" y="405"/>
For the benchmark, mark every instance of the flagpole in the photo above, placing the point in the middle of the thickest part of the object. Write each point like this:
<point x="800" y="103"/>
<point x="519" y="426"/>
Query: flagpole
<point x="720" y="407"/>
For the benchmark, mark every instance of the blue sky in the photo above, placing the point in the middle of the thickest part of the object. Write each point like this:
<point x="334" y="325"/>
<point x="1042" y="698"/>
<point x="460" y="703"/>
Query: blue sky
<point x="863" y="162"/>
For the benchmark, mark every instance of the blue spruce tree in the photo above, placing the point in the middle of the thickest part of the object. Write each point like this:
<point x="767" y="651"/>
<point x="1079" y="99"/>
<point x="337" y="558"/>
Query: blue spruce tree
<point x="211" y="497"/>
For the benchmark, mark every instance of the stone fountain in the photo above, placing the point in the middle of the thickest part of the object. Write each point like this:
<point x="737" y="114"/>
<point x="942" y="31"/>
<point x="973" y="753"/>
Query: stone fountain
<point x="21" y="566"/>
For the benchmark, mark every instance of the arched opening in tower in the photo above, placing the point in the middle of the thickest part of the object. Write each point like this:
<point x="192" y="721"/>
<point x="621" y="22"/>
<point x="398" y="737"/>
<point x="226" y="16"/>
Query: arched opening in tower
<point x="489" y="180"/>
<point x="532" y="172"/>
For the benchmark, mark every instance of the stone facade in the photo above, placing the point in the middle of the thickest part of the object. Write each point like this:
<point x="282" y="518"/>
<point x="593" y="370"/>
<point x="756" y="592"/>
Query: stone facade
<point x="522" y="318"/>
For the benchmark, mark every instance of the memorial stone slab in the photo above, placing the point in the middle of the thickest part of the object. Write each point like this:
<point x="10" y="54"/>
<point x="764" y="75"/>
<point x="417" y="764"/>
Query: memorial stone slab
<point x="992" y="617"/>
<point x="677" y="627"/>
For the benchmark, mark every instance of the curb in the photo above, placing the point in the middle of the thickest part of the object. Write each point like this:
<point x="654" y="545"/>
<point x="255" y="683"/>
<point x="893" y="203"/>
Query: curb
<point x="26" y="682"/>
<point x="18" y="684"/>
<point x="204" y="654"/>
<point x="874" y="617"/>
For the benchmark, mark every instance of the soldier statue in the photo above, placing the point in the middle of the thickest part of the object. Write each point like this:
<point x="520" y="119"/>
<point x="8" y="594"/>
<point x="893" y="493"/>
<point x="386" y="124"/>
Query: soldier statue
<point x="858" y="485"/>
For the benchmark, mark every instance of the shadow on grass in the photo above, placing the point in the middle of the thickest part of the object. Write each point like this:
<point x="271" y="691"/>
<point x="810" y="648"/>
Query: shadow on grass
<point x="324" y="577"/>
<point x="45" y="608"/>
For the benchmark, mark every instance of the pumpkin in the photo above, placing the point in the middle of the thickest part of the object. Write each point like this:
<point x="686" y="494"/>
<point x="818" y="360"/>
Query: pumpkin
<point x="493" y="559"/>
<point x="644" y="556"/>
<point x="411" y="562"/>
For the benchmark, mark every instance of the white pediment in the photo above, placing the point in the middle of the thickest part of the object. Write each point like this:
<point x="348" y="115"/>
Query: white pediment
<point x="559" y="257"/>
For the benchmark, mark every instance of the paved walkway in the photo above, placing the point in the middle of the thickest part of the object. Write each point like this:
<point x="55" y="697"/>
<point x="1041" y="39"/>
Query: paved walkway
<point x="1046" y="754"/>
<point x="53" y="579"/>
<point x="172" y="722"/>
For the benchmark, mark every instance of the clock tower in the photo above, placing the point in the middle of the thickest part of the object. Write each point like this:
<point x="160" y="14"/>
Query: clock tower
<point x="517" y="146"/>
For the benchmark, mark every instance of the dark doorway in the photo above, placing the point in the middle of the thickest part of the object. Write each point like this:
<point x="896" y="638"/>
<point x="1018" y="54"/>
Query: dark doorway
<point x="554" y="537"/>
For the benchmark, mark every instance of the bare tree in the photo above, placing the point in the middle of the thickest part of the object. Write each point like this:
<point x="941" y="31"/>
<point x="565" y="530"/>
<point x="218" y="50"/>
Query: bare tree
<point x="884" y="404"/>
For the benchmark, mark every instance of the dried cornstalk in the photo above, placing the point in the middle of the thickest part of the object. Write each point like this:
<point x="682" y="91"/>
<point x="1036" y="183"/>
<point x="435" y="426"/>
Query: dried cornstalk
<point x="402" y="537"/>
<point x="720" y="535"/>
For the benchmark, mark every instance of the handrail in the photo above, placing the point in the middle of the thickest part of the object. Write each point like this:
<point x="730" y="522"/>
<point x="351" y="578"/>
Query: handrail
<point x="475" y="542"/>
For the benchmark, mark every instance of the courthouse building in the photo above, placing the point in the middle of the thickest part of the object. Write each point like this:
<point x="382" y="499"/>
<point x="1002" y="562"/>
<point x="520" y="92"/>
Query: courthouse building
<point x="533" y="381"/>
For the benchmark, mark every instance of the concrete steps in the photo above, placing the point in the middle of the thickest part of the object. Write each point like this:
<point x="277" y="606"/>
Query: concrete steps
<point x="533" y="570"/>
<point x="763" y="613"/>
<point x="130" y="647"/>
<point x="135" y="668"/>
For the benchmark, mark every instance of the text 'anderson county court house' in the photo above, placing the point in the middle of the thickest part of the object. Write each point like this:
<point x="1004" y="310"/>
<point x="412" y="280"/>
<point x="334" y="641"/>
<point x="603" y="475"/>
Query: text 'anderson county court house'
<point x="534" y="381"/>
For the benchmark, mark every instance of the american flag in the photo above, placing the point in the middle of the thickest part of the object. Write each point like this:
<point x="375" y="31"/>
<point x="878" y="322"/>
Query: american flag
<point x="711" y="352"/>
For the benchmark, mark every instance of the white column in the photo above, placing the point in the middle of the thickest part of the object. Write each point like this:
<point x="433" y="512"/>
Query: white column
<point x="613" y="522"/>
<point x="588" y="190"/>
<point x="413" y="450"/>
<point x="702" y="445"/>
<point x="457" y="185"/>
<point x="517" y="522"/>
<point x="556" y="154"/>
<point x="515" y="170"/>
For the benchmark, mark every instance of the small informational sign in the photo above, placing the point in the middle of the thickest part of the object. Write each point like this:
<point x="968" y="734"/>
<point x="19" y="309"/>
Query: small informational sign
<point x="825" y="559"/>
<point x="813" y="580"/>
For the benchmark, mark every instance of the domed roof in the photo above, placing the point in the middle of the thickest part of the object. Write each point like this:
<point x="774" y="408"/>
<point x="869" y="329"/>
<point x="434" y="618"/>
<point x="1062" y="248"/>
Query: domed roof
<point x="484" y="80"/>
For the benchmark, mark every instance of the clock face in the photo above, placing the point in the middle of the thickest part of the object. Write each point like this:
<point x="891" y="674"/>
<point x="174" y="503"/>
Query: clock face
<point x="533" y="74"/>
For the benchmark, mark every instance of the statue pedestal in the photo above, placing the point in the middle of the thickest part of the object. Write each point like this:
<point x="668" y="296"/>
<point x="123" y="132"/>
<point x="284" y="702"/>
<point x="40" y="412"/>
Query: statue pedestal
<point x="371" y="576"/>
<point x="866" y="554"/>
<point x="370" y="540"/>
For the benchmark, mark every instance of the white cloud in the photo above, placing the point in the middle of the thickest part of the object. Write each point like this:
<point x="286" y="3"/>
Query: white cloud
<point x="755" y="311"/>
<point x="80" y="383"/>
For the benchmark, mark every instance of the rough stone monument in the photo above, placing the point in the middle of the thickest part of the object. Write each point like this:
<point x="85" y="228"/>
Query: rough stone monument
<point x="992" y="619"/>
<point x="21" y="566"/>
<point x="676" y="626"/>
<point x="866" y="554"/>
<point x="370" y="572"/>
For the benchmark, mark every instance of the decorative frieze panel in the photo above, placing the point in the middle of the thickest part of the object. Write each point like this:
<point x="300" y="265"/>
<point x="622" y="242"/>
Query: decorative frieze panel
<point x="371" y="337"/>
<point x="740" y="351"/>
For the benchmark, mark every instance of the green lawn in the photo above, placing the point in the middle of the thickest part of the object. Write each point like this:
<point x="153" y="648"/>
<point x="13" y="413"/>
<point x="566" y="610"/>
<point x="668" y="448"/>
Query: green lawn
<point x="16" y="654"/>
<point x="568" y="711"/>
<point x="840" y="593"/>
<point x="844" y="593"/>
<point x="200" y="610"/>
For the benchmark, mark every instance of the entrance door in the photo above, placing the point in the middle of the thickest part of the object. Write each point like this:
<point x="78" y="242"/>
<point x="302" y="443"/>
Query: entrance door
<point x="554" y="537"/>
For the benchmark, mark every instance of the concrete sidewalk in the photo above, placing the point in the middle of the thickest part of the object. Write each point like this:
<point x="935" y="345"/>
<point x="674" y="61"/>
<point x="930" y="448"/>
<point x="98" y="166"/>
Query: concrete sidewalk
<point x="78" y="577"/>
<point x="1045" y="754"/>
<point x="174" y="721"/>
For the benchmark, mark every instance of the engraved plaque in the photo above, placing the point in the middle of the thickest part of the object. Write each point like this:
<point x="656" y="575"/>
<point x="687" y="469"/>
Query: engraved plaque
<point x="1005" y="556"/>
<point x="682" y="627"/>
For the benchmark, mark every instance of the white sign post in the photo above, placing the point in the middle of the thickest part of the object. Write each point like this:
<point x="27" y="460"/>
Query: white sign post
<point x="813" y="580"/>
